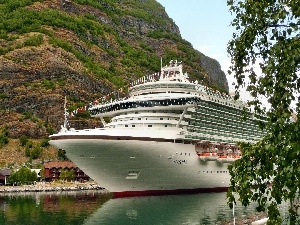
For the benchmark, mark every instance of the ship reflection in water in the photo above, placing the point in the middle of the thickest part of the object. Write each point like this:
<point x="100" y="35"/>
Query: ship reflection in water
<point x="91" y="208"/>
<point x="208" y="208"/>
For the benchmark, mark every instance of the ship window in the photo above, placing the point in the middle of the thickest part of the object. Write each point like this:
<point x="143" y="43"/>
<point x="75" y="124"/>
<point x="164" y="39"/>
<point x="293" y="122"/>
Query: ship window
<point x="166" y="125"/>
<point x="136" y="112"/>
<point x="133" y="125"/>
<point x="161" y="118"/>
<point x="126" y="125"/>
<point x="139" y="118"/>
<point x="150" y="125"/>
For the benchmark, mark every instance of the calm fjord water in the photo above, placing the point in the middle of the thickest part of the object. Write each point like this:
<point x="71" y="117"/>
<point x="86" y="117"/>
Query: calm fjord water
<point x="93" y="208"/>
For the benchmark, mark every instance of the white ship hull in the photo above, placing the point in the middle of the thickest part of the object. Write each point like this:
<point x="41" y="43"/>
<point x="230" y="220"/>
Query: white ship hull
<point x="133" y="167"/>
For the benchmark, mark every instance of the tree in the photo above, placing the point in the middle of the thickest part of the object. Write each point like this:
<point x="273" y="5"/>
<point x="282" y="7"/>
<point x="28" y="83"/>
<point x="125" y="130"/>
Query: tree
<point x="42" y="173"/>
<point x="61" y="154"/>
<point x="22" y="176"/>
<point x="66" y="174"/>
<point x="267" y="34"/>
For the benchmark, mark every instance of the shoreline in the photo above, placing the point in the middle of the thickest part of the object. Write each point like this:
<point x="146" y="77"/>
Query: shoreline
<point x="51" y="187"/>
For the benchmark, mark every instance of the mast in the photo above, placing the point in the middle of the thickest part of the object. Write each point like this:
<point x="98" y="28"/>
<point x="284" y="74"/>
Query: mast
<point x="66" y="114"/>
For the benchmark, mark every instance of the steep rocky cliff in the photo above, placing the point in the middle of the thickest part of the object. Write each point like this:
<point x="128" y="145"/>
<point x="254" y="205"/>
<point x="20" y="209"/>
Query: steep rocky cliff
<point x="83" y="49"/>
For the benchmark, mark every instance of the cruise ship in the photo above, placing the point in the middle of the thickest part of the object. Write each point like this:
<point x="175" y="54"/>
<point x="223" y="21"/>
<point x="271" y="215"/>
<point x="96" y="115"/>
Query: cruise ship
<point x="169" y="136"/>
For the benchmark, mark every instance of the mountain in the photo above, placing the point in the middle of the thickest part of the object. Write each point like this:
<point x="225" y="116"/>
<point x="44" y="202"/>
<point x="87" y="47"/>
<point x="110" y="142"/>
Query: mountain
<point x="83" y="49"/>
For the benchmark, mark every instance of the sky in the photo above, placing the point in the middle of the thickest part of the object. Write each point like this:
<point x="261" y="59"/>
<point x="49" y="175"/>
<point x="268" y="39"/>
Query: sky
<point x="205" y="24"/>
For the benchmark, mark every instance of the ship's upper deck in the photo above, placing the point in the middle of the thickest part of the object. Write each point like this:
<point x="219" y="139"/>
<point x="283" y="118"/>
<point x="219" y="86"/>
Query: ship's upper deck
<point x="168" y="87"/>
<point x="169" y="79"/>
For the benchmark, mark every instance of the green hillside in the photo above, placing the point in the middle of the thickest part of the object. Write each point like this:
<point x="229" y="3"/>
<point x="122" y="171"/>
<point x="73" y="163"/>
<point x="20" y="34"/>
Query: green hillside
<point x="83" y="49"/>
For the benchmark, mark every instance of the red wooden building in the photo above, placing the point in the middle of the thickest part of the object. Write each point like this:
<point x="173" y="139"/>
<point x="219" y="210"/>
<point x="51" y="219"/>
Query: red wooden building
<point x="4" y="175"/>
<point x="53" y="170"/>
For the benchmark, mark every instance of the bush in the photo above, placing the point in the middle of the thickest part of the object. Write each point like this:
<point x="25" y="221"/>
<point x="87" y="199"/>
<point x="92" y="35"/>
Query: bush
<point x="34" y="40"/>
<point x="36" y="152"/>
<point x="3" y="137"/>
<point x="27" y="152"/>
<point x="27" y="115"/>
<point x="50" y="130"/>
<point x="61" y="82"/>
<point x="49" y="84"/>
<point x="23" y="140"/>
<point x="2" y="95"/>
<point x="45" y="142"/>
<point x="3" y="140"/>
<point x="29" y="144"/>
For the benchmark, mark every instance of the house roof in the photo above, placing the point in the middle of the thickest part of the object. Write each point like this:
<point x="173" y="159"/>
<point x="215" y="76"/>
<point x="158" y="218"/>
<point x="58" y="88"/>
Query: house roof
<point x="58" y="164"/>
<point x="5" y="172"/>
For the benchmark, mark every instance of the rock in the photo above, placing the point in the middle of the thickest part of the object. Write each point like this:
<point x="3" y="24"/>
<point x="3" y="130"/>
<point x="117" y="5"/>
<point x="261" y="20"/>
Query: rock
<point x="49" y="188"/>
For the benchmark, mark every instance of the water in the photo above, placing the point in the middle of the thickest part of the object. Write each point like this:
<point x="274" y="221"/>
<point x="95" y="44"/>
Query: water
<point x="94" y="207"/>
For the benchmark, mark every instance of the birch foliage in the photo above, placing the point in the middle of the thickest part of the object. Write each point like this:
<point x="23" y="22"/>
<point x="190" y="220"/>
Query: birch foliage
<point x="267" y="35"/>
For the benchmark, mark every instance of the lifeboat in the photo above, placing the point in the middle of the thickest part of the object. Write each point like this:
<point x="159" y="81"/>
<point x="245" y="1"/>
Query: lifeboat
<point x="208" y="156"/>
<point x="228" y="158"/>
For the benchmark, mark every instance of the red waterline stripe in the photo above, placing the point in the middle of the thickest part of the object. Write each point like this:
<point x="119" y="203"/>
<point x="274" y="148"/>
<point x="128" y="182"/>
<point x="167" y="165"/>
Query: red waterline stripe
<point x="125" y="194"/>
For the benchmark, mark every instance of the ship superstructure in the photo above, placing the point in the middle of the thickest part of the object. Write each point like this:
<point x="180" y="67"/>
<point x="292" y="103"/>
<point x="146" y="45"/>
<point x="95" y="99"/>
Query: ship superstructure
<point x="168" y="135"/>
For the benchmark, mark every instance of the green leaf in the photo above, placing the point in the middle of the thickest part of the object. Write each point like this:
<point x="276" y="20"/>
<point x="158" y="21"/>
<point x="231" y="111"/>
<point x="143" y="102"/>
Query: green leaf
<point x="268" y="32"/>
